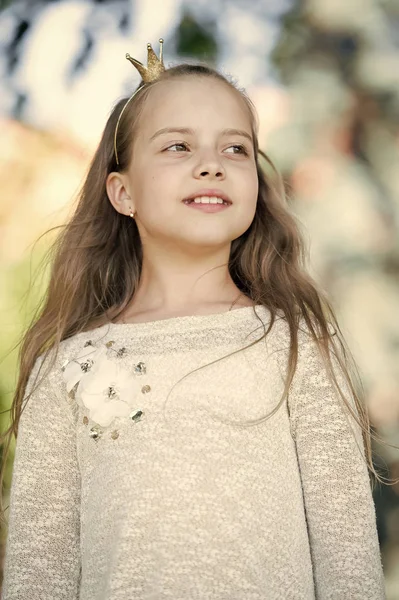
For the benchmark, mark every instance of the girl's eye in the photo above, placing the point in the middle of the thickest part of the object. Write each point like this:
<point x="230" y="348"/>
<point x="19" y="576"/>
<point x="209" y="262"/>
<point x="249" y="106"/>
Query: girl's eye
<point x="181" y="146"/>
<point x="241" y="149"/>
<point x="178" y="146"/>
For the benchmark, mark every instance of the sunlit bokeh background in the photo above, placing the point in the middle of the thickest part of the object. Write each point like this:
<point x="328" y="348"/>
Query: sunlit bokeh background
<point x="324" y="76"/>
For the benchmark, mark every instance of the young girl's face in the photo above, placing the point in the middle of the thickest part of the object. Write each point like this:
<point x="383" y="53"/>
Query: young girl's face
<point x="194" y="134"/>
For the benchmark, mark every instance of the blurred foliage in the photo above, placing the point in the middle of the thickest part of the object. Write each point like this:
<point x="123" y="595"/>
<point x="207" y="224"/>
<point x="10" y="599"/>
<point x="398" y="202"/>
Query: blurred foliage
<point x="302" y="42"/>
<point x="196" y="39"/>
<point x="311" y="47"/>
<point x="5" y="3"/>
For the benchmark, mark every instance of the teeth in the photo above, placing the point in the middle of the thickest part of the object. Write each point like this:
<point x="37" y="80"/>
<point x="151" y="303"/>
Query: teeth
<point x="208" y="200"/>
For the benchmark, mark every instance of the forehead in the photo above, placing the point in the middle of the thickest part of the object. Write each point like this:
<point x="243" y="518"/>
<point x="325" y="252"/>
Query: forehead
<point x="202" y="103"/>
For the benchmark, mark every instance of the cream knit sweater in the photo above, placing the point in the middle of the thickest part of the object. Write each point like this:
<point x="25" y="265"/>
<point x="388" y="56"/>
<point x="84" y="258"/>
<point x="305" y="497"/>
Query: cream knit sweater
<point x="173" y="499"/>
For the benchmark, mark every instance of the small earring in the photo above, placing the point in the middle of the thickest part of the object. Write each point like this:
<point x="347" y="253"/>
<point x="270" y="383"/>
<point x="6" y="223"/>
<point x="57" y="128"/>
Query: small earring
<point x="131" y="214"/>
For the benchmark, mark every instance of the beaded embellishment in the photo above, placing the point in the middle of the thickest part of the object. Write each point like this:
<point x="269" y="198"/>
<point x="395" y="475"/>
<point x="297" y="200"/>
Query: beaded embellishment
<point x="101" y="385"/>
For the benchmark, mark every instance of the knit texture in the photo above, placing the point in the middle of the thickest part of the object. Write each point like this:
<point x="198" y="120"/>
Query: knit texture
<point x="185" y="503"/>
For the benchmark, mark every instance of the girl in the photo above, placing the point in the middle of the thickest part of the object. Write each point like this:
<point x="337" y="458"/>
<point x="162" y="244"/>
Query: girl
<point x="159" y="454"/>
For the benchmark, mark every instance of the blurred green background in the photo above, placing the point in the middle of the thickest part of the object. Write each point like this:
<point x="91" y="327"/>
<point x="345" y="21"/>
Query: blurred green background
<point x="324" y="77"/>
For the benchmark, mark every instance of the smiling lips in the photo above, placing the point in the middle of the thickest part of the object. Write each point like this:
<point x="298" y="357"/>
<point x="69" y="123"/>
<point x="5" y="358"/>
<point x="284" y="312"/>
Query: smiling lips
<point x="213" y="194"/>
<point x="207" y="204"/>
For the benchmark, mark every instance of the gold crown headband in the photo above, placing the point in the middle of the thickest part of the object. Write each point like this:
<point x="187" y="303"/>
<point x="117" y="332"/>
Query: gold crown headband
<point x="149" y="73"/>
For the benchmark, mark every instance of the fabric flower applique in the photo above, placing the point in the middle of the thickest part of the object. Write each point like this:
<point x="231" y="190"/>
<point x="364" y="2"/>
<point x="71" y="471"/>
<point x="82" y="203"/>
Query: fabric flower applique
<point x="101" y="385"/>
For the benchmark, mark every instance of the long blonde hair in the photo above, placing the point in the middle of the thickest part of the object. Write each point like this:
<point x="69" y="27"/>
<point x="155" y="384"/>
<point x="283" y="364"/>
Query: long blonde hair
<point x="96" y="266"/>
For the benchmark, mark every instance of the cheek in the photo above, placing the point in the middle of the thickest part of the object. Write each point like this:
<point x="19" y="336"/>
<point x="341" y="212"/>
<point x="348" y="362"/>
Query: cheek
<point x="252" y="182"/>
<point x="155" y="191"/>
<point x="158" y="177"/>
<point x="146" y="184"/>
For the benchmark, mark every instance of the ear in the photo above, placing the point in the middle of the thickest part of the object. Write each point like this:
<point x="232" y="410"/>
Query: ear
<point x="118" y="193"/>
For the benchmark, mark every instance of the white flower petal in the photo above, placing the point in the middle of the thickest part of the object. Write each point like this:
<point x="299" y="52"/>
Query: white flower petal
<point x="121" y="409"/>
<point x="91" y="401"/>
<point x="130" y="394"/>
<point x="104" y="414"/>
<point x="72" y="374"/>
<point x="103" y="419"/>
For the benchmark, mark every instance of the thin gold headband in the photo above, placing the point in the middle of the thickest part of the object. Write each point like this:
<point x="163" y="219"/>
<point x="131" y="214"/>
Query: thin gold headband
<point x="149" y="73"/>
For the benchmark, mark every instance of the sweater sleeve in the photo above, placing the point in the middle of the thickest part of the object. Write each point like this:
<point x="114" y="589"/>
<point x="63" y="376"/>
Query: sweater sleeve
<point x="42" y="557"/>
<point x="337" y="494"/>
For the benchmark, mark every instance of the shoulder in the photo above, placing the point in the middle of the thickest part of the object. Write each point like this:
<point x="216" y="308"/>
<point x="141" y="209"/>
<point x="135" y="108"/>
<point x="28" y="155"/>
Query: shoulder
<point x="51" y="362"/>
<point x="280" y="333"/>
<point x="80" y="344"/>
<point x="309" y="356"/>
<point x="281" y="329"/>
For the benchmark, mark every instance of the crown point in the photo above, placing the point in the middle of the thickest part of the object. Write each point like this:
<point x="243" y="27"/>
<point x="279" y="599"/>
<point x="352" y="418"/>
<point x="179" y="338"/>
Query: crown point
<point x="127" y="55"/>
<point x="161" y="40"/>
<point x="148" y="46"/>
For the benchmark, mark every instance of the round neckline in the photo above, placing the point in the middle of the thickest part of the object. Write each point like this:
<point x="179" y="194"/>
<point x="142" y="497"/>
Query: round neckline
<point x="187" y="322"/>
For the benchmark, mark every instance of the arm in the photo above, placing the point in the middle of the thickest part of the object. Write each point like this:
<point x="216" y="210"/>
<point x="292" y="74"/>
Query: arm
<point x="42" y="560"/>
<point x="337" y="494"/>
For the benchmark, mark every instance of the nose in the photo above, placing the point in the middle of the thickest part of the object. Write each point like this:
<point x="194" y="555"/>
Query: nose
<point x="209" y="167"/>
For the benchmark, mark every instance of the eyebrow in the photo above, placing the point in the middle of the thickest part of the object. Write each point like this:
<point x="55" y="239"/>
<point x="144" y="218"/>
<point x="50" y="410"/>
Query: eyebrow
<point x="188" y="131"/>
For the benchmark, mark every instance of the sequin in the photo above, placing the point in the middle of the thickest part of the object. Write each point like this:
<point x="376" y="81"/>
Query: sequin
<point x="115" y="434"/>
<point x="121" y="352"/>
<point x="111" y="391"/>
<point x="136" y="416"/>
<point x="88" y="343"/>
<point x="110" y="344"/>
<point x="95" y="432"/>
<point x="145" y="389"/>
<point x="85" y="420"/>
<point x="140" y="368"/>
<point x="87" y="365"/>
<point x="72" y="392"/>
